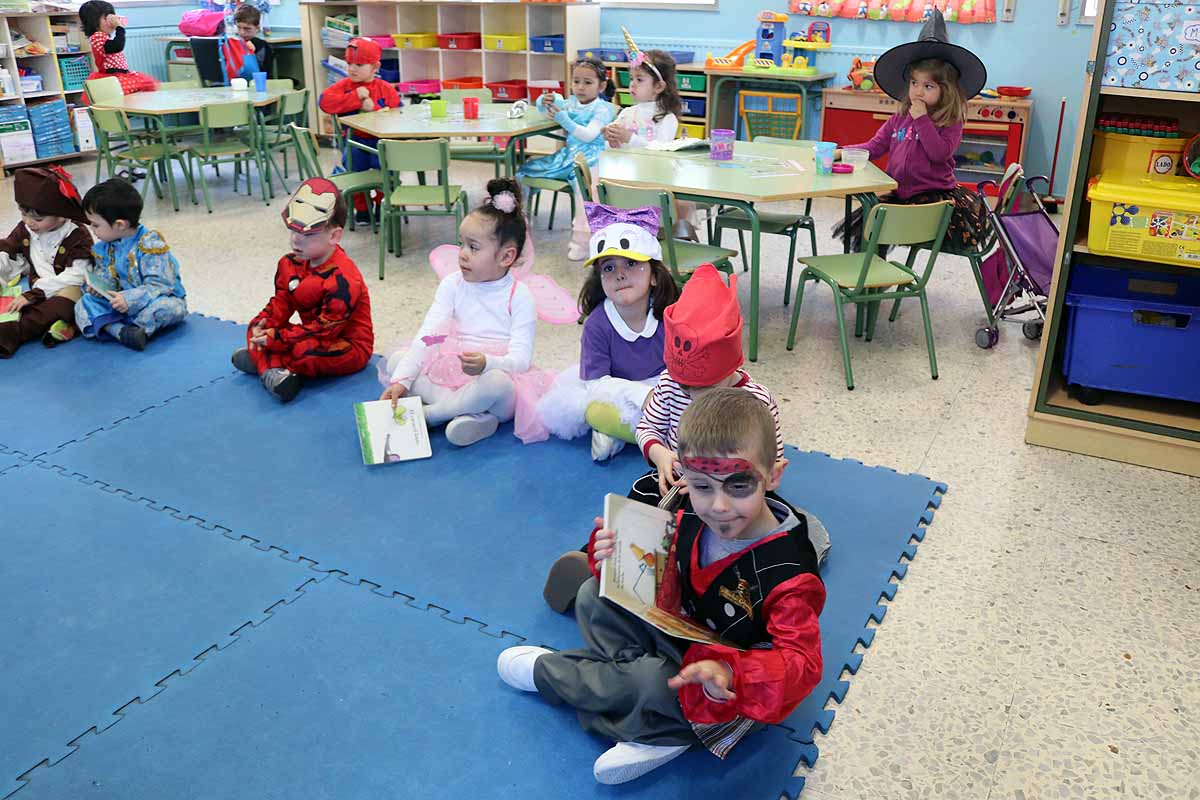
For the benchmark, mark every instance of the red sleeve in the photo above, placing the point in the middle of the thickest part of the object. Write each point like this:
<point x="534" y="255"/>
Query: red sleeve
<point x="881" y="142"/>
<point x="278" y="309"/>
<point x="387" y="93"/>
<point x="938" y="143"/>
<point x="769" y="684"/>
<point x="341" y="98"/>
<point x="342" y="293"/>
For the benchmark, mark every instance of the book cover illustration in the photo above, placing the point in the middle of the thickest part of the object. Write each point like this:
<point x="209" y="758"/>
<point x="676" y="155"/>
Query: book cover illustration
<point x="388" y="435"/>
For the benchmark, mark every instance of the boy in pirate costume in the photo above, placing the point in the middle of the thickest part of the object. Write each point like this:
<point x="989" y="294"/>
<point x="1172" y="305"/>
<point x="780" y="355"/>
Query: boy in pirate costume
<point x="742" y="564"/>
<point x="318" y="281"/>
<point x="52" y="250"/>
<point x="134" y="290"/>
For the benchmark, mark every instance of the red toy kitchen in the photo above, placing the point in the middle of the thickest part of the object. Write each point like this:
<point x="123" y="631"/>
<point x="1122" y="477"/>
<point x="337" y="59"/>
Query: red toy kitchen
<point x="994" y="137"/>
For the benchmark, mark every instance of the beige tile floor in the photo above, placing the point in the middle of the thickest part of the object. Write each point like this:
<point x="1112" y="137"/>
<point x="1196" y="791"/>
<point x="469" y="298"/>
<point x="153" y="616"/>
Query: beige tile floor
<point x="1044" y="642"/>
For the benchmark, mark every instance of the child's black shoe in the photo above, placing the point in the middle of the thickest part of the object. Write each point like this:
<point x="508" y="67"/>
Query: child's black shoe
<point x="282" y="383"/>
<point x="133" y="337"/>
<point x="241" y="359"/>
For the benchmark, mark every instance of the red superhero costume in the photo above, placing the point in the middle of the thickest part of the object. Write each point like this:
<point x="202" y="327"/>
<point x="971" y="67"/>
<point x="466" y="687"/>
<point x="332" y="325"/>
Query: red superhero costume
<point x="335" y="335"/>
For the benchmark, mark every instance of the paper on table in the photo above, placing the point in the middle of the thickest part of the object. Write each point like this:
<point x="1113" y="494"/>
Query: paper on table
<point x="388" y="435"/>
<point x="686" y="143"/>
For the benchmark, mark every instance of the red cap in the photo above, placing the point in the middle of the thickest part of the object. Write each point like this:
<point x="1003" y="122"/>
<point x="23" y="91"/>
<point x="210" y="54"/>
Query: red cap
<point x="703" y="330"/>
<point x="363" y="51"/>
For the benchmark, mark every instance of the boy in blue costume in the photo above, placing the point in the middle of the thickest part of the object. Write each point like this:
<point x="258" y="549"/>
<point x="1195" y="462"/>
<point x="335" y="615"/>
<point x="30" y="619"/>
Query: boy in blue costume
<point x="134" y="290"/>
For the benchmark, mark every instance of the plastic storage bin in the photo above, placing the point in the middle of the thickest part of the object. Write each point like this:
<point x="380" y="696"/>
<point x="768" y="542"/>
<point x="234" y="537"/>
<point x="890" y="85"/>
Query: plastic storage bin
<point x="385" y="41"/>
<point x="1130" y="331"/>
<point x="466" y="82"/>
<point x="693" y="106"/>
<point x="504" y="41"/>
<point x="389" y="70"/>
<point x="429" y="86"/>
<point x="682" y="56"/>
<point x="508" y="90"/>
<point x="1145" y="218"/>
<point x="693" y="130"/>
<point x="74" y="72"/>
<point x="31" y="83"/>
<point x="415" y="40"/>
<point x="1135" y="155"/>
<point x="555" y="43"/>
<point x="343" y="23"/>
<point x="690" y="82"/>
<point x="605" y="54"/>
<point x="459" y="41"/>
<point x="539" y="88"/>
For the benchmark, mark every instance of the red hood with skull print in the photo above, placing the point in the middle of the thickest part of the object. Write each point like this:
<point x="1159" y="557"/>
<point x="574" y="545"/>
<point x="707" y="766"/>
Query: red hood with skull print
<point x="704" y="330"/>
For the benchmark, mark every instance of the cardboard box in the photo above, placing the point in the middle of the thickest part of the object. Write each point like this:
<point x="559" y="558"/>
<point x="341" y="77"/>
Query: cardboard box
<point x="84" y="132"/>
<point x="16" y="142"/>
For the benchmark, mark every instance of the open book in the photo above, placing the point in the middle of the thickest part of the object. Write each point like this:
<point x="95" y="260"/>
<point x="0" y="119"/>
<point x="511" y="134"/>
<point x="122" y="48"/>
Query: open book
<point x="686" y="143"/>
<point x="100" y="281"/>
<point x="388" y="435"/>
<point x="631" y="577"/>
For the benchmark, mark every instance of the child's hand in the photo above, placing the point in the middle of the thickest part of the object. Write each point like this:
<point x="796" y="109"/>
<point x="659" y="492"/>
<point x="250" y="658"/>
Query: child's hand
<point x="249" y="45"/>
<point x="918" y="109"/>
<point x="368" y="105"/>
<point x="17" y="304"/>
<point x="363" y="93"/>
<point x="837" y="154"/>
<point x="604" y="543"/>
<point x="261" y="336"/>
<point x="118" y="302"/>
<point x="716" y="677"/>
<point x="617" y="135"/>
<point x="394" y="393"/>
<point x="472" y="363"/>
<point x="665" y="462"/>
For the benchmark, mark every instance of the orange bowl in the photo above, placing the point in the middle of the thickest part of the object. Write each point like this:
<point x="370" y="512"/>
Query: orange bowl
<point x="1014" y="91"/>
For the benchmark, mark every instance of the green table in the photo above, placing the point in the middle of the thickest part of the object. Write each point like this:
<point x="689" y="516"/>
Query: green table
<point x="761" y="81"/>
<point x="414" y="122"/>
<point x="167" y="102"/>
<point x="759" y="173"/>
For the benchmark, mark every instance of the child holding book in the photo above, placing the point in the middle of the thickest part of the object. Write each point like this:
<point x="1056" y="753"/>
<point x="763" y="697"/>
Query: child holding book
<point x="134" y="289"/>
<point x="321" y="284"/>
<point x="51" y="248"/>
<point x="741" y="565"/>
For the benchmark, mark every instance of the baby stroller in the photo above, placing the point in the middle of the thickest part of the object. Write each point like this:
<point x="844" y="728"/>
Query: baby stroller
<point x="1017" y="275"/>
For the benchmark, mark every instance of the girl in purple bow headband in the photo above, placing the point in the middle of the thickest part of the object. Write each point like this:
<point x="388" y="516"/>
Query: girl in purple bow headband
<point x="621" y="353"/>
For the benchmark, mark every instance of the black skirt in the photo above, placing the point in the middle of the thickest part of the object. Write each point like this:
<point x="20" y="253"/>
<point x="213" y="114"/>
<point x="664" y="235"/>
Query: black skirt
<point x="968" y="222"/>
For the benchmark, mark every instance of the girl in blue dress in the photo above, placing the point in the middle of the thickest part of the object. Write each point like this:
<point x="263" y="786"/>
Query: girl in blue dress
<point x="583" y="117"/>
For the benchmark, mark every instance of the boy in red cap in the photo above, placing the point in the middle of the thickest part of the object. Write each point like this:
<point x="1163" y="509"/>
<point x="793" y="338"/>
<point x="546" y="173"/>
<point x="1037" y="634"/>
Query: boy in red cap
<point x="360" y="91"/>
<point x="318" y="281"/>
<point x="742" y="564"/>
<point x="702" y="352"/>
<point x="52" y="249"/>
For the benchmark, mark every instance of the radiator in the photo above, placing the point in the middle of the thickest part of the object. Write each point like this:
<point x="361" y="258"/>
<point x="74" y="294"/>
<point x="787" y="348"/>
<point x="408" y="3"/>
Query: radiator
<point x="147" y="54"/>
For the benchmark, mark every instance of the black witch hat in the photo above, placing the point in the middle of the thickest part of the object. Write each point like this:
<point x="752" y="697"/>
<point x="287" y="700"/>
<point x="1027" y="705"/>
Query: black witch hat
<point x="891" y="68"/>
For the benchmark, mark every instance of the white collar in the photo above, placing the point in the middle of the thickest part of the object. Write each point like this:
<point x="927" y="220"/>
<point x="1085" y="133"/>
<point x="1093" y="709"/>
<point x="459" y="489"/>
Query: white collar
<point x="623" y="330"/>
<point x="54" y="238"/>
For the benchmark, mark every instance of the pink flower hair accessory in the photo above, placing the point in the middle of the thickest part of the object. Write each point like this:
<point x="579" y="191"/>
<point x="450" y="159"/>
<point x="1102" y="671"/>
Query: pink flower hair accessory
<point x="504" y="201"/>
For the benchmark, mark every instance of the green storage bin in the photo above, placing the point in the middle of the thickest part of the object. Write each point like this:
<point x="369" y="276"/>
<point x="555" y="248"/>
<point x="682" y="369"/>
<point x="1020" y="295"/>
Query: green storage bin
<point x="622" y="78"/>
<point x="182" y="72"/>
<point x="691" y="82"/>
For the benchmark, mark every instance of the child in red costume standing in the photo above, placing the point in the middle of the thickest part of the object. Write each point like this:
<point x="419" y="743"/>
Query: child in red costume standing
<point x="360" y="92"/>
<point x="318" y="281"/>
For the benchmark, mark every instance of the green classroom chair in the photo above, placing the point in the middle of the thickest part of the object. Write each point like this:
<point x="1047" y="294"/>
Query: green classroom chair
<point x="348" y="183"/>
<point x="779" y="224"/>
<point x="229" y="135"/>
<point x="533" y="193"/>
<point x="112" y="126"/>
<point x="280" y="85"/>
<point x="680" y="256"/>
<point x="866" y="279"/>
<point x="276" y="130"/>
<point x="481" y="152"/>
<point x="442" y="199"/>
<point x="583" y="176"/>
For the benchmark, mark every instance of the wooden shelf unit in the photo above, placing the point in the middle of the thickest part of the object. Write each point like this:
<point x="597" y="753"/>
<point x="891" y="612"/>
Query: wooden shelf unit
<point x="579" y="23"/>
<point x="37" y="28"/>
<point x="1136" y="429"/>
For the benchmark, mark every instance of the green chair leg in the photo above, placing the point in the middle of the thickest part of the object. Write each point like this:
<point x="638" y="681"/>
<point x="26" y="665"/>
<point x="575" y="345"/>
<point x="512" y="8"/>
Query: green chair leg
<point x="800" y="282"/>
<point x="787" y="281"/>
<point x="553" y="210"/>
<point x="872" y="316"/>
<point x="742" y="244"/>
<point x="933" y="371"/>
<point x="841" y="318"/>
<point x="383" y="243"/>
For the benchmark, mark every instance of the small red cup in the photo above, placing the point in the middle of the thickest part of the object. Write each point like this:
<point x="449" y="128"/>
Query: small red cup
<point x="470" y="108"/>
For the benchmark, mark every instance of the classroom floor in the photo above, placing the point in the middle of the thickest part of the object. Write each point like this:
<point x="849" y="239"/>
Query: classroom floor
<point x="1039" y="646"/>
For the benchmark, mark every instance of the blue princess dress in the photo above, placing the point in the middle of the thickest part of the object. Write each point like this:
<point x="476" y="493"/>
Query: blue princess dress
<point x="584" y="125"/>
<point x="142" y="268"/>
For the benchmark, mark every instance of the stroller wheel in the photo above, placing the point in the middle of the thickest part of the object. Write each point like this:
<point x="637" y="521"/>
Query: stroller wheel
<point x="986" y="338"/>
<point x="1032" y="329"/>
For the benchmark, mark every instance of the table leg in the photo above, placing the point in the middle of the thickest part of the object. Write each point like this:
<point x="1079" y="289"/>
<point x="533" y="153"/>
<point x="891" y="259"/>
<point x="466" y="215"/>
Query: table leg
<point x="846" y="227"/>
<point x="166" y="145"/>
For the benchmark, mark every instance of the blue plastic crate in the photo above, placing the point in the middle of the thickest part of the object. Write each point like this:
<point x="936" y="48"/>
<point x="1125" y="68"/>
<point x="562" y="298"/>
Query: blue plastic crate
<point x="389" y="70"/>
<point x="1134" y="331"/>
<point x="54" y="149"/>
<point x="13" y="113"/>
<point x="682" y="56"/>
<point x="555" y="43"/>
<point x="693" y="106"/>
<point x="604" y="53"/>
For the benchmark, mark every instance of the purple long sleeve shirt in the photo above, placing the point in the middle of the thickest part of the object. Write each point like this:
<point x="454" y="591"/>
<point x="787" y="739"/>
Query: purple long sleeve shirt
<point x="920" y="154"/>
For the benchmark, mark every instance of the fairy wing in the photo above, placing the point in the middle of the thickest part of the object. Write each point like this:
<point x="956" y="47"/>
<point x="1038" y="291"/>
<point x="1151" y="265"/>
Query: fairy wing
<point x="554" y="303"/>
<point x="444" y="259"/>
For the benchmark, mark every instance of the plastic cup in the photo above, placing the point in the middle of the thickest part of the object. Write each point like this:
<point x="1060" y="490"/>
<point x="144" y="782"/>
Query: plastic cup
<point x="720" y="142"/>
<point x="470" y="108"/>
<point x="238" y="84"/>
<point x="856" y="156"/>
<point x="260" y="81"/>
<point x="823" y="157"/>
<point x="437" y="108"/>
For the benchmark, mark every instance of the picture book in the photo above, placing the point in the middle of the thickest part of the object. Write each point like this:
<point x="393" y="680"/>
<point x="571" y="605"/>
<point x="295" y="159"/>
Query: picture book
<point x="388" y="435"/>
<point x="632" y="576"/>
<point x="100" y="281"/>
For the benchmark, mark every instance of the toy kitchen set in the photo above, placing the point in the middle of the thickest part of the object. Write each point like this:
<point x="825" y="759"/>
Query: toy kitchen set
<point x="997" y="126"/>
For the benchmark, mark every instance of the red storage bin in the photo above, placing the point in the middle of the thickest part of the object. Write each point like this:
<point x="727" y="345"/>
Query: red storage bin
<point x="508" y="90"/>
<point x="539" y="88"/>
<point x="428" y="86"/>
<point x="460" y="41"/>
<point x="468" y="82"/>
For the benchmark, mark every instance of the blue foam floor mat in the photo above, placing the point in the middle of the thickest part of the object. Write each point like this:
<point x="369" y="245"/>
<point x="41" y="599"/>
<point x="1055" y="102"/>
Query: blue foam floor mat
<point x="102" y="599"/>
<point x="319" y="702"/>
<point x="83" y="385"/>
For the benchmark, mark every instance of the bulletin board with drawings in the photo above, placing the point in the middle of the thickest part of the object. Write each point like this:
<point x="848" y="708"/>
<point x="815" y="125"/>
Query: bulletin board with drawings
<point x="961" y="11"/>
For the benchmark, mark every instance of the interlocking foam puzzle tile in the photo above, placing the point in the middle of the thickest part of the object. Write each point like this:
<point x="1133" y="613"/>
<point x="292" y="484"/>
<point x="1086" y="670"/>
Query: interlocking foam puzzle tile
<point x="348" y="694"/>
<point x="99" y="384"/>
<point x="103" y="598"/>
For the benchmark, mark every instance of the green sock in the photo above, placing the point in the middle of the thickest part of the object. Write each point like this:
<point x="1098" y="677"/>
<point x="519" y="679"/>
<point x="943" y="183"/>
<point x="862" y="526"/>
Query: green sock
<point x="605" y="418"/>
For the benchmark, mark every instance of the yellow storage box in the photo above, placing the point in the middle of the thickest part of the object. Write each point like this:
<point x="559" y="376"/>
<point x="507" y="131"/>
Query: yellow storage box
<point x="1146" y="219"/>
<point x="415" y="40"/>
<point x="1135" y="156"/>
<point x="504" y="41"/>
<point x="692" y="129"/>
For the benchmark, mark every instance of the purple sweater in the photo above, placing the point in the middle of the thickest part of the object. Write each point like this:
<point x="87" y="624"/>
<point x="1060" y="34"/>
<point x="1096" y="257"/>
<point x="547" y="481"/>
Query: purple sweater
<point x="920" y="154"/>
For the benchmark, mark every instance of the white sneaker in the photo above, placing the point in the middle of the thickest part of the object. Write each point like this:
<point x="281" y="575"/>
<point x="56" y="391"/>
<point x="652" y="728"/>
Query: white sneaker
<point x="515" y="666"/>
<point x="467" y="429"/>
<point x="604" y="446"/>
<point x="625" y="761"/>
<point x="577" y="251"/>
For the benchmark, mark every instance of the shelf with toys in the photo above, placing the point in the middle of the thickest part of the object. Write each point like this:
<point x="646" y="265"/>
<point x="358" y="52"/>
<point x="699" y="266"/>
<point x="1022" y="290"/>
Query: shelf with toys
<point x="433" y="45"/>
<point x="1118" y="374"/>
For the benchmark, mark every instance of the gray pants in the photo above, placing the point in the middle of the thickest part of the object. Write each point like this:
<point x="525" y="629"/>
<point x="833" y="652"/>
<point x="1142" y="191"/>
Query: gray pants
<point x="617" y="682"/>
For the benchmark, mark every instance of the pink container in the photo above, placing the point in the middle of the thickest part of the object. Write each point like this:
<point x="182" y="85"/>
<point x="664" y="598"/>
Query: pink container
<point x="470" y="108"/>
<point x="419" y="87"/>
<point x="383" y="41"/>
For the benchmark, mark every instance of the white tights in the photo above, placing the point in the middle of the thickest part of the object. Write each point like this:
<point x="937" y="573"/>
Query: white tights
<point x="491" y="392"/>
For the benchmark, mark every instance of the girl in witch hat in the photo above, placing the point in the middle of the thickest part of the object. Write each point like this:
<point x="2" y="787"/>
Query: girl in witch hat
<point x="933" y="80"/>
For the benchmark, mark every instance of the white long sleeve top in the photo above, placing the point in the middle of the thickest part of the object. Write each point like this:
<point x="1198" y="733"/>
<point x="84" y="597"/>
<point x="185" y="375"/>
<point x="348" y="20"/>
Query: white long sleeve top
<point x="42" y="249"/>
<point x="640" y="119"/>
